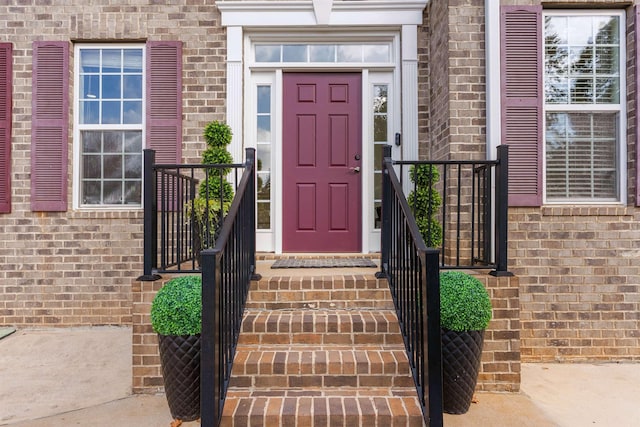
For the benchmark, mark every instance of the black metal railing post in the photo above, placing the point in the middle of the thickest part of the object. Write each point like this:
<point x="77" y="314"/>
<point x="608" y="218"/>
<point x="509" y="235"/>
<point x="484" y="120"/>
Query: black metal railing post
<point x="502" y="212"/>
<point x="431" y="292"/>
<point x="150" y="225"/>
<point x="210" y="364"/>
<point x="385" y="212"/>
<point x="250" y="155"/>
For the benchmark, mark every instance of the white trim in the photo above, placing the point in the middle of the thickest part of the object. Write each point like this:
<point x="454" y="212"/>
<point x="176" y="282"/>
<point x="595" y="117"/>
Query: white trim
<point x="77" y="127"/>
<point x="620" y="107"/>
<point x="493" y="78"/>
<point x="358" y="21"/>
<point x="235" y="86"/>
<point x="303" y="14"/>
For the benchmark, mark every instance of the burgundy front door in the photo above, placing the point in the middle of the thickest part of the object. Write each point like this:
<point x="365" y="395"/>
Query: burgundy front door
<point x="321" y="162"/>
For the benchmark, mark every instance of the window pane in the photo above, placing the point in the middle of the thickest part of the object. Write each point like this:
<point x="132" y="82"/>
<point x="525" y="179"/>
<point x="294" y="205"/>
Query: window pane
<point x="132" y="87"/>
<point x="377" y="215"/>
<point x="294" y="53"/>
<point x="377" y="53"/>
<point x="112" y="166"/>
<point x="110" y="112"/>
<point x="607" y="30"/>
<point x="112" y="192"/>
<point x="264" y="128"/>
<point x="378" y="152"/>
<point x="132" y="61"/>
<point x="132" y="192"/>
<point x="263" y="153"/>
<point x="556" y="30"/>
<point x="89" y="86"/>
<point x="132" y="112"/>
<point x="91" y="142"/>
<point x="581" y="155"/>
<point x="112" y="142"/>
<point x="580" y="30"/>
<point x="111" y="61"/>
<point x="264" y="186"/>
<point x="322" y="53"/>
<point x="89" y="112"/>
<point x="111" y="87"/>
<point x="264" y="99"/>
<point x="264" y="215"/>
<point x="89" y="61"/>
<point x="92" y="167"/>
<point x="133" y="166"/>
<point x="133" y="142"/>
<point x="380" y="128"/>
<point x="348" y="53"/>
<point x="91" y="193"/>
<point x="267" y="53"/>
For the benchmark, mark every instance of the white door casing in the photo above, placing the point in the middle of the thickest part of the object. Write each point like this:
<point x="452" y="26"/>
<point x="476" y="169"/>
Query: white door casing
<point x="320" y="22"/>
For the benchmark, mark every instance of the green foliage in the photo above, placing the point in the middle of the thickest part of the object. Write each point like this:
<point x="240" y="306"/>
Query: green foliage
<point x="177" y="307"/>
<point x="217" y="156"/>
<point x="464" y="302"/>
<point x="425" y="202"/>
<point x="423" y="175"/>
<point x="214" y="187"/>
<point x="217" y="134"/>
<point x="206" y="207"/>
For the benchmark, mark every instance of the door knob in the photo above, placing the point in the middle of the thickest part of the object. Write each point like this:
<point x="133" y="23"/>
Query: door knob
<point x="356" y="169"/>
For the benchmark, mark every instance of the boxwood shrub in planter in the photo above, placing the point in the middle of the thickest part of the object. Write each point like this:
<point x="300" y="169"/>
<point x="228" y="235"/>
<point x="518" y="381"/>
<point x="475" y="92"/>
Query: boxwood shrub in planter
<point x="465" y="312"/>
<point x="176" y="316"/>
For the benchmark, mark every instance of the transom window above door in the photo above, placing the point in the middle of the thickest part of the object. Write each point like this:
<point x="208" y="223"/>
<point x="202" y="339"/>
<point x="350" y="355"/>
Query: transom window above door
<point x="323" y="53"/>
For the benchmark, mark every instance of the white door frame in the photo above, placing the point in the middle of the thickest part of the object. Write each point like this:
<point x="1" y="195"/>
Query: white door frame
<point x="322" y="21"/>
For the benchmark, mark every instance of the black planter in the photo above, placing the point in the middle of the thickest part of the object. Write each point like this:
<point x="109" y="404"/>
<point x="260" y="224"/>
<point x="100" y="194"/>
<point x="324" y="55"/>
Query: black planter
<point x="461" y="353"/>
<point x="180" y="361"/>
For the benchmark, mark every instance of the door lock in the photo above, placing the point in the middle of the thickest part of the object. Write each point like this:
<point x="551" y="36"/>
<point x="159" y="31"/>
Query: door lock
<point x="356" y="169"/>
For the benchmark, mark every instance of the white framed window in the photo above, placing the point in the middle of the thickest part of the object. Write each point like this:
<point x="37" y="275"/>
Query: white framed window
<point x="584" y="106"/>
<point x="264" y="139"/>
<point x="108" y="125"/>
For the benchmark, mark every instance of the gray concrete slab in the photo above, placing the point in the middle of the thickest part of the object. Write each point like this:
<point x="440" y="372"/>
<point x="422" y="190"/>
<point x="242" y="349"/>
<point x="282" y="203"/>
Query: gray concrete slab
<point x="82" y="377"/>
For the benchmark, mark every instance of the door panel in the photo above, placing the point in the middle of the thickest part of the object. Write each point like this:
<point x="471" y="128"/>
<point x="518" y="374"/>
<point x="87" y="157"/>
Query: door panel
<point x="321" y="159"/>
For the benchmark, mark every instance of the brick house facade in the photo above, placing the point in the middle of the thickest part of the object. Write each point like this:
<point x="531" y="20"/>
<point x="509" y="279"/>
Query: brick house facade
<point x="578" y="264"/>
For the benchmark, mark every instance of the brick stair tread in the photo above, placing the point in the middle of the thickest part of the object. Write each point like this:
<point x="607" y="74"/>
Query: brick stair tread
<point x="301" y="361"/>
<point x="343" y="282"/>
<point x="320" y="321"/>
<point x="347" y="409"/>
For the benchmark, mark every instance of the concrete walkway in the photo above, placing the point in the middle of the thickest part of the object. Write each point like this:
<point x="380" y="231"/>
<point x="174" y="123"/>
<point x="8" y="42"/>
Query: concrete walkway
<point x="82" y="377"/>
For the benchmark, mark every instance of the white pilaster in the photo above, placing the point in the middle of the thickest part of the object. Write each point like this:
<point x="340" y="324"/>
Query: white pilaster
<point x="234" y="91"/>
<point x="492" y="59"/>
<point x="409" y="92"/>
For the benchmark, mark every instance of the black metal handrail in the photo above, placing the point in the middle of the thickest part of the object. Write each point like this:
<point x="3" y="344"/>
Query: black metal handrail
<point x="173" y="237"/>
<point x="473" y="215"/>
<point x="413" y="274"/>
<point x="227" y="270"/>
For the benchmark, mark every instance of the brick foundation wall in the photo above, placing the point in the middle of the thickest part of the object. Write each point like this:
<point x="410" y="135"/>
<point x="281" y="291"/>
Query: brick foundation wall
<point x="77" y="267"/>
<point x="580" y="282"/>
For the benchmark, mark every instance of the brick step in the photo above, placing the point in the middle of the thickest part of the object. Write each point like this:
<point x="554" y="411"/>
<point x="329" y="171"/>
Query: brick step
<point x="340" y="327"/>
<point x="318" y="283"/>
<point x="320" y="299"/>
<point x="295" y="367"/>
<point x="340" y="409"/>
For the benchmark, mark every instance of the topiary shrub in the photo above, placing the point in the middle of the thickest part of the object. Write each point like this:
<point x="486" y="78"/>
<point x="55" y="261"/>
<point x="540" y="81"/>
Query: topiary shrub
<point x="464" y="302"/>
<point x="206" y="210"/>
<point x="177" y="307"/>
<point x="425" y="202"/>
